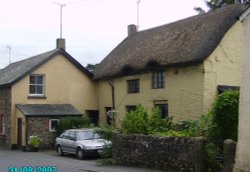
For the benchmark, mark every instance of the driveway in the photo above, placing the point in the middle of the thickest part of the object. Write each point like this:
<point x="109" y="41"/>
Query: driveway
<point x="18" y="159"/>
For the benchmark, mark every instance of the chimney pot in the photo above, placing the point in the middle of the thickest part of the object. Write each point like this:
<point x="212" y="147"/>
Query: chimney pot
<point x="132" y="29"/>
<point x="60" y="43"/>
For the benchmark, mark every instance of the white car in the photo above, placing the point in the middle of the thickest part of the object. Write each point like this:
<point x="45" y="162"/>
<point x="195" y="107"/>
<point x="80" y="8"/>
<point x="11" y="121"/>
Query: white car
<point x="80" y="142"/>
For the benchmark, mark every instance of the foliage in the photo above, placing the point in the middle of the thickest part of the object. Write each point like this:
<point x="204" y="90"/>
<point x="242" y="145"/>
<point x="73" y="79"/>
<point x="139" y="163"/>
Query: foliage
<point x="140" y="122"/>
<point x="71" y="122"/>
<point x="106" y="132"/>
<point x="136" y="121"/>
<point x="214" y="4"/>
<point x="225" y="111"/>
<point x="91" y="67"/>
<point x="34" y="141"/>
<point x="222" y="125"/>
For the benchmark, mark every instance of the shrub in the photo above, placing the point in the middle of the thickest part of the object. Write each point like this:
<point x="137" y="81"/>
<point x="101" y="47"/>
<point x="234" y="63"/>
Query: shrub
<point x="225" y="112"/>
<point x="106" y="132"/>
<point x="71" y="122"/>
<point x="136" y="121"/>
<point x="140" y="122"/>
<point x="34" y="141"/>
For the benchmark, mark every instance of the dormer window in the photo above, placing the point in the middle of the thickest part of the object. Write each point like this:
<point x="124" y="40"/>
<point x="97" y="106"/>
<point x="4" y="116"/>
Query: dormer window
<point x="36" y="87"/>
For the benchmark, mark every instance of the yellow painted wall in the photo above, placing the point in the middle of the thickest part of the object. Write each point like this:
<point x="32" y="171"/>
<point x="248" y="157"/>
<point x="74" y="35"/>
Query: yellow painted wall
<point x="64" y="84"/>
<point x="224" y="65"/>
<point x="183" y="92"/>
<point x="242" y="161"/>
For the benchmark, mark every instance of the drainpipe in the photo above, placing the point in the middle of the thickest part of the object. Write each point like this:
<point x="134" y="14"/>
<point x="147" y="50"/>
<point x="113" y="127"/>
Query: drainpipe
<point x="113" y="94"/>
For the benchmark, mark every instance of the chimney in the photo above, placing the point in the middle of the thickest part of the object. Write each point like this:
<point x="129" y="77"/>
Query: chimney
<point x="60" y="43"/>
<point x="132" y="29"/>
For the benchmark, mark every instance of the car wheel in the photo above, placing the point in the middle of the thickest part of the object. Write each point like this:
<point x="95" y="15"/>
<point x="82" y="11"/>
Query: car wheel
<point x="59" y="151"/>
<point x="79" y="153"/>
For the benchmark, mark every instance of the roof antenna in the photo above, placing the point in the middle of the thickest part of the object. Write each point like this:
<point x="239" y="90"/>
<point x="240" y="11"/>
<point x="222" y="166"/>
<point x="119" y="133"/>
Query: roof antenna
<point x="138" y="14"/>
<point x="61" y="6"/>
<point x="9" y="48"/>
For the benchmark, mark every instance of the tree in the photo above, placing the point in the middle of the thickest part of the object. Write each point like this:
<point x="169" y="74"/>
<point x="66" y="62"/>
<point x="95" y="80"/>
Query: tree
<point x="214" y="4"/>
<point x="91" y="67"/>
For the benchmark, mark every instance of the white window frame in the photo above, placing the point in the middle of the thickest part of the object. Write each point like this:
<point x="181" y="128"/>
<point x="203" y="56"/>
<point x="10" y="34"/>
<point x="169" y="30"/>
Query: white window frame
<point x="50" y="122"/>
<point x="43" y="85"/>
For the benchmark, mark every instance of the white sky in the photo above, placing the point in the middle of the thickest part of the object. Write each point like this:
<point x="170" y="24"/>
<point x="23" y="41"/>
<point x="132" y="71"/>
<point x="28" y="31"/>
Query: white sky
<point x="92" y="28"/>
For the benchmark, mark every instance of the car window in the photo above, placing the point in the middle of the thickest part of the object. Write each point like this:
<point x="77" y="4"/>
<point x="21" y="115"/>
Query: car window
<point x="87" y="135"/>
<point x="65" y="135"/>
<point x="72" y="135"/>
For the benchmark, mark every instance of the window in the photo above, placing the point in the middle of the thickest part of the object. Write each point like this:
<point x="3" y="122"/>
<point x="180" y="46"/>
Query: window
<point x="164" y="109"/>
<point x="133" y="86"/>
<point x="2" y="124"/>
<point x="36" y="85"/>
<point x="158" y="80"/>
<point x="130" y="108"/>
<point x="53" y="124"/>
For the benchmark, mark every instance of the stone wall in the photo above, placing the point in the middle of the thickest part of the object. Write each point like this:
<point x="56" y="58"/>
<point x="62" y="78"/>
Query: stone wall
<point x="175" y="154"/>
<point x="40" y="126"/>
<point x="5" y="109"/>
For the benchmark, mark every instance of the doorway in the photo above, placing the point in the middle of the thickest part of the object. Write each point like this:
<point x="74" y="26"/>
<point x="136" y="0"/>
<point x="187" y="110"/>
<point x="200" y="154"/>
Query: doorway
<point x="19" y="132"/>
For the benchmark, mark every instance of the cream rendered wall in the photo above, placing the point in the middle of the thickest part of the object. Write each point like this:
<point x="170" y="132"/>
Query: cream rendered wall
<point x="64" y="84"/>
<point x="224" y="65"/>
<point x="183" y="93"/>
<point x="242" y="162"/>
<point x="104" y="99"/>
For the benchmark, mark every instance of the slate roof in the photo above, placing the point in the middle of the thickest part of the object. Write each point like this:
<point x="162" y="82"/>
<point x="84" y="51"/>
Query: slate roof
<point x="48" y="109"/>
<point x="16" y="71"/>
<point x="185" y="42"/>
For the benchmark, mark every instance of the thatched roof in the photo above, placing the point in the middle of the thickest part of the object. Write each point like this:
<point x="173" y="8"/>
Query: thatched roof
<point x="185" y="42"/>
<point x="16" y="71"/>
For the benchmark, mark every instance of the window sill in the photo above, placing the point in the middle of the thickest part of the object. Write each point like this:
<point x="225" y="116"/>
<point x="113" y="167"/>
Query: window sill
<point x="37" y="97"/>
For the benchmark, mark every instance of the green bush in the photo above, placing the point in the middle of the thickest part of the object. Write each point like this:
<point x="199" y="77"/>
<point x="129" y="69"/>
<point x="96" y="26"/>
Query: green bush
<point x="71" y="122"/>
<point x="140" y="122"/>
<point x="136" y="121"/>
<point x="225" y="111"/>
<point x="106" y="132"/>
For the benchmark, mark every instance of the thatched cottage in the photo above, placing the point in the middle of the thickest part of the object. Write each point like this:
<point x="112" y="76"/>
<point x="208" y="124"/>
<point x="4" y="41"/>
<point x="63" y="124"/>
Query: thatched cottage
<point x="179" y="67"/>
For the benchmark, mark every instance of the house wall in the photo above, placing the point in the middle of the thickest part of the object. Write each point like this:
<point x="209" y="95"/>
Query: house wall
<point x="39" y="126"/>
<point x="104" y="99"/>
<point x="183" y="93"/>
<point x="5" y="109"/>
<point x="64" y="84"/>
<point x="224" y="65"/>
<point x="242" y="162"/>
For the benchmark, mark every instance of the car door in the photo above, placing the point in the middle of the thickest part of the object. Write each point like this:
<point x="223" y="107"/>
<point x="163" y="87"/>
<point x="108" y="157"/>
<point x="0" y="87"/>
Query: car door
<point x="64" y="141"/>
<point x="72" y="142"/>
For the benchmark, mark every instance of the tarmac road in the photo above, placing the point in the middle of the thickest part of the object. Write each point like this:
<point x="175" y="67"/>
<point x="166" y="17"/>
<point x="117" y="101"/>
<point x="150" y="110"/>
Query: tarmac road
<point x="18" y="161"/>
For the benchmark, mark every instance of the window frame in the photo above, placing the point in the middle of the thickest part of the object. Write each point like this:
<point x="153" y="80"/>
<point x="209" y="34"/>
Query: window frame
<point x="37" y="85"/>
<point x="50" y="124"/>
<point x="158" y="80"/>
<point x="159" y="105"/>
<point x="133" y="86"/>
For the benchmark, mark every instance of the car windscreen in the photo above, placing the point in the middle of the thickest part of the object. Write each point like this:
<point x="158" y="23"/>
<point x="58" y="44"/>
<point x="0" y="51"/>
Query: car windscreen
<point x="87" y="135"/>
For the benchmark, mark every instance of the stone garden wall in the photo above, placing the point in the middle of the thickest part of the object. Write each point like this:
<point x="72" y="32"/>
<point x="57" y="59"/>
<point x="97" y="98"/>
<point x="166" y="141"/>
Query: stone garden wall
<point x="174" y="154"/>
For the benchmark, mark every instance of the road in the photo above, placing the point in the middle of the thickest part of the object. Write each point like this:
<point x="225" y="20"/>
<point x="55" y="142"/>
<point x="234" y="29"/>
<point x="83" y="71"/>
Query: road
<point x="20" y="161"/>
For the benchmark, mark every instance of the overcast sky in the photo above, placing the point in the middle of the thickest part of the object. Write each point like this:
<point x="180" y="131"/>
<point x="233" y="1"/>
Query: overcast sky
<point x="92" y="28"/>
